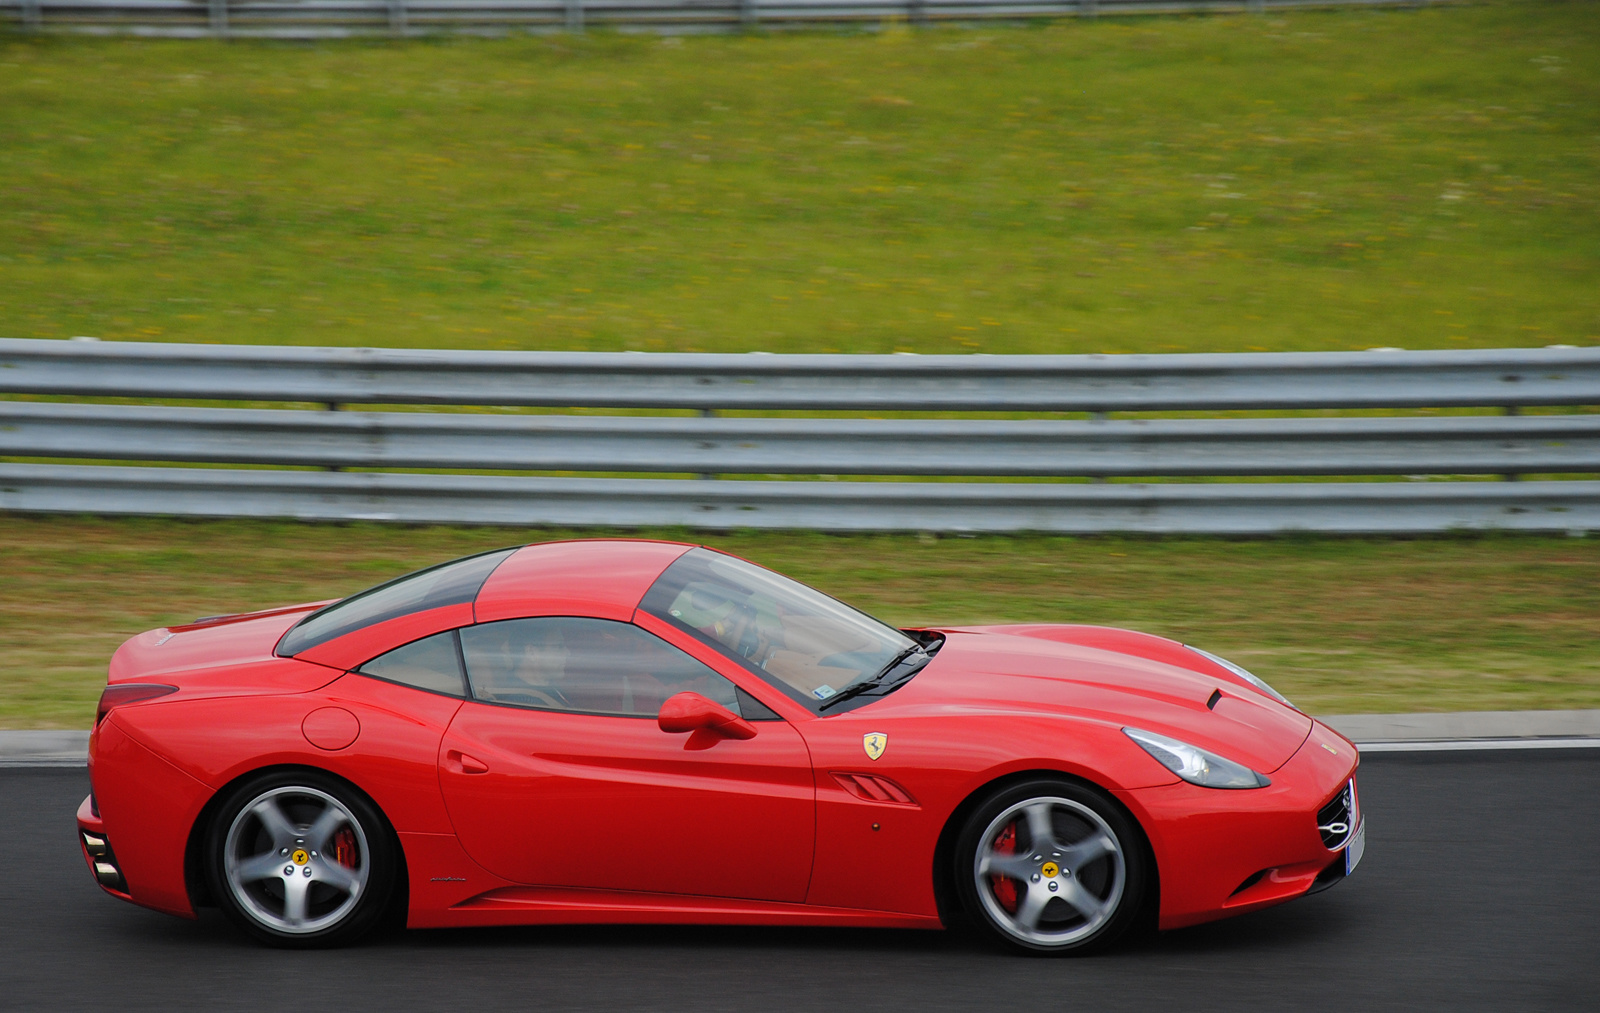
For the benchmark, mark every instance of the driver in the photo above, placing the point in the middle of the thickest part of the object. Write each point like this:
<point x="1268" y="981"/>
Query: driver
<point x="539" y="656"/>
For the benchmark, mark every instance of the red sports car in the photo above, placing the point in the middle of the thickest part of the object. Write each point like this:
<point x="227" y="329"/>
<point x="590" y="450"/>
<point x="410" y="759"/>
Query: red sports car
<point x="637" y="731"/>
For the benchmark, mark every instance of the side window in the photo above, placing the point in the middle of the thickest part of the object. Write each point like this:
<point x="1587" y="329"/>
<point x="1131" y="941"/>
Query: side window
<point x="431" y="663"/>
<point x="590" y="666"/>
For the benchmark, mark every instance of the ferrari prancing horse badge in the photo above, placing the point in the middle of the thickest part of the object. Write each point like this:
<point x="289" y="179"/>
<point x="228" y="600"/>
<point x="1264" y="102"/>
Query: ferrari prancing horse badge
<point x="874" y="743"/>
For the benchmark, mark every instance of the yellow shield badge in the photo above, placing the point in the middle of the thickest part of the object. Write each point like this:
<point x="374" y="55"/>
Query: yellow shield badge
<point x="874" y="743"/>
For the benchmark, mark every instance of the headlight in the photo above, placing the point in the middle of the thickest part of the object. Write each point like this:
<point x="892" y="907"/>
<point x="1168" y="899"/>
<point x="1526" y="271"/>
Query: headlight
<point x="1255" y="681"/>
<point x="1196" y="765"/>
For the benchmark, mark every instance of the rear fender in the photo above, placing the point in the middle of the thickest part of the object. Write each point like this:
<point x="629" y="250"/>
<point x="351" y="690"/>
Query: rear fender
<point x="194" y="850"/>
<point x="393" y="758"/>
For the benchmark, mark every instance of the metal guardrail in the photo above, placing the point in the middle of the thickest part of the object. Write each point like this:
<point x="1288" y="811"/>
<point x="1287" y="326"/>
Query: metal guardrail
<point x="1477" y="445"/>
<point x="1222" y="508"/>
<point x="1261" y="381"/>
<point x="451" y="443"/>
<point x="325" y="18"/>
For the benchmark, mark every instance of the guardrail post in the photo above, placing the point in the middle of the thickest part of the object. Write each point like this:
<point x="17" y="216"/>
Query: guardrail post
<point x="1256" y="6"/>
<point x="918" y="12"/>
<point x="397" y="17"/>
<point x="31" y="16"/>
<point x="574" y="15"/>
<point x="707" y="413"/>
<point x="1088" y="8"/>
<point x="1511" y="409"/>
<point x="1098" y="417"/>
<point x="332" y="406"/>
<point x="749" y="15"/>
<point x="219" y="18"/>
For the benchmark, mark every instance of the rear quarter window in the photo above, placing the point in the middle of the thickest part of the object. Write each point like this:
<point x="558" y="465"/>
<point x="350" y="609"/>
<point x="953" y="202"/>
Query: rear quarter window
<point x="454" y="583"/>
<point x="432" y="663"/>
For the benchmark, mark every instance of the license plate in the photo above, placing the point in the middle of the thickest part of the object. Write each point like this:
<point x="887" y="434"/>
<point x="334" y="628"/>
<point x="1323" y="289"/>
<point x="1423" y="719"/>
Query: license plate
<point x="1355" y="849"/>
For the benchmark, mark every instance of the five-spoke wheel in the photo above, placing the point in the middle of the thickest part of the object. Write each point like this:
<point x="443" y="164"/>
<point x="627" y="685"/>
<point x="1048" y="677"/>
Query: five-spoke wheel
<point x="1051" y="866"/>
<point x="300" y="860"/>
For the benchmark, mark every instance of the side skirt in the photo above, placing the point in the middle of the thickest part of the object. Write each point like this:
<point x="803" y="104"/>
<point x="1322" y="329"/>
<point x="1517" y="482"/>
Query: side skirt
<point x="535" y="905"/>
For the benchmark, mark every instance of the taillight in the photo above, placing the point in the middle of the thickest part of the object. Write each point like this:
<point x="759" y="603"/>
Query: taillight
<point x="128" y="692"/>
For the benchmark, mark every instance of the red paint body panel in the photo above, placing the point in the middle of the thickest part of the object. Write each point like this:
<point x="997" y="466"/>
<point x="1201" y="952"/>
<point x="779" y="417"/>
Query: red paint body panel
<point x="604" y="579"/>
<point x="1209" y="842"/>
<point x="147" y="806"/>
<point x="1134" y="644"/>
<point x="442" y="876"/>
<point x="232" y="659"/>
<point x="394" y="759"/>
<point x="1001" y="673"/>
<point x="513" y="816"/>
<point x="592" y="802"/>
<point x="555" y="906"/>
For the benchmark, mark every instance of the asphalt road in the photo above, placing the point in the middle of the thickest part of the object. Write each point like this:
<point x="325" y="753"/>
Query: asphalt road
<point x="1480" y="890"/>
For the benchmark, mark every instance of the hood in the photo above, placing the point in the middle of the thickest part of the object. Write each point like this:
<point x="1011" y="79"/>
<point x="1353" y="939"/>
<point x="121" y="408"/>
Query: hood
<point x="221" y="654"/>
<point x="1038" y="670"/>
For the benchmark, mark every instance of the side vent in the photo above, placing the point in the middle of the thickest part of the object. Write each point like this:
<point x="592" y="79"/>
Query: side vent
<point x="873" y="788"/>
<point x="1249" y="881"/>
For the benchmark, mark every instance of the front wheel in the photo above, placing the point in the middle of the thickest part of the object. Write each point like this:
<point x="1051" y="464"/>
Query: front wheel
<point x="1051" y="866"/>
<point x="300" y="860"/>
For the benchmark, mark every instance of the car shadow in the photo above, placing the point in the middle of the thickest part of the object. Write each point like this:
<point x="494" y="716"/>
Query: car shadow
<point x="1293" y="925"/>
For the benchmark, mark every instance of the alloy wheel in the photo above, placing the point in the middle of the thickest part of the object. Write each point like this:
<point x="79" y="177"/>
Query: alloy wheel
<point x="1049" y="871"/>
<point x="296" y="860"/>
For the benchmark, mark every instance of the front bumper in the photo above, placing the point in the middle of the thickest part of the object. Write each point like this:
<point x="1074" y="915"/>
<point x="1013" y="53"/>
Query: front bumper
<point x="1222" y="853"/>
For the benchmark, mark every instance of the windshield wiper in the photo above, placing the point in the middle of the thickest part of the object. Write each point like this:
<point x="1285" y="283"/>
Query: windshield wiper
<point x="876" y="682"/>
<point x="898" y="659"/>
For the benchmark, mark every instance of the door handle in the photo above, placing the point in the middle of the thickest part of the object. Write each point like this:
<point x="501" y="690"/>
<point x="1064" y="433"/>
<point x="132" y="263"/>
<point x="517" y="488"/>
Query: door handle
<point x="462" y="763"/>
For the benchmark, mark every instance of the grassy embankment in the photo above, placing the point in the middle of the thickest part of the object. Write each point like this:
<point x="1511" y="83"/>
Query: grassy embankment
<point x="1310" y="180"/>
<point x="1314" y="180"/>
<point x="1338" y="625"/>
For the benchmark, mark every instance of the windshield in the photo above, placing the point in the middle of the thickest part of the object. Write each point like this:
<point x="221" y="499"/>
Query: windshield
<point x="802" y="641"/>
<point x="451" y="583"/>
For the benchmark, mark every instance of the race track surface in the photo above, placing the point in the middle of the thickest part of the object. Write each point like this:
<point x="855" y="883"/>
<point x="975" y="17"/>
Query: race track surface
<point x="1480" y="890"/>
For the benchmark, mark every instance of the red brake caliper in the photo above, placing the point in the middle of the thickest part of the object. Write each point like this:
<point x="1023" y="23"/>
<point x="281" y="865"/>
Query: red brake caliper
<point x="1005" y="890"/>
<point x="344" y="848"/>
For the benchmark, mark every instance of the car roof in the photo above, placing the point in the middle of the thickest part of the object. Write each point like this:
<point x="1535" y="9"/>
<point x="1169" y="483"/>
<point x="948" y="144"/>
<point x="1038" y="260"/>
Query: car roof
<point x="599" y="577"/>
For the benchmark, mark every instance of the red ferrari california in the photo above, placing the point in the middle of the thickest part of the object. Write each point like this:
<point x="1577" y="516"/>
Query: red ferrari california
<point x="637" y="731"/>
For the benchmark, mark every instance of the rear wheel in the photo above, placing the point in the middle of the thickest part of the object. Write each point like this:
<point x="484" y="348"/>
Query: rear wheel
<point x="1051" y="866"/>
<point x="300" y="860"/>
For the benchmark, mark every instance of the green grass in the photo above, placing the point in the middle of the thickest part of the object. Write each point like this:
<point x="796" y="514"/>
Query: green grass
<point x="1339" y="625"/>
<point x="1315" y="180"/>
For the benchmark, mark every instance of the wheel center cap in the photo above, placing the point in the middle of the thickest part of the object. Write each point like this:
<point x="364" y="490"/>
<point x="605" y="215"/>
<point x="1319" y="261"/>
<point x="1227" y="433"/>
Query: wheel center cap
<point x="300" y="857"/>
<point x="1050" y="870"/>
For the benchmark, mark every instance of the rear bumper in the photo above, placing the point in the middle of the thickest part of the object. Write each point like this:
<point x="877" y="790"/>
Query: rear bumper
<point x="1222" y="853"/>
<point x="146" y="808"/>
<point x="97" y="851"/>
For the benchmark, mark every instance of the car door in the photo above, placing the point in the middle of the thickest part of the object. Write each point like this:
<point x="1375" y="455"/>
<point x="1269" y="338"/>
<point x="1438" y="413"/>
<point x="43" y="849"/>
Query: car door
<point x="557" y="774"/>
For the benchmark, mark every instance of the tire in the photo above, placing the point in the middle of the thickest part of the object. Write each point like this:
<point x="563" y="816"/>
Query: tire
<point x="1051" y="867"/>
<point x="299" y="859"/>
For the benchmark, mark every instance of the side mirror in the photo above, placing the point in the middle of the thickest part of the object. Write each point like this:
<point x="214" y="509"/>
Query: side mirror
<point x="691" y="712"/>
